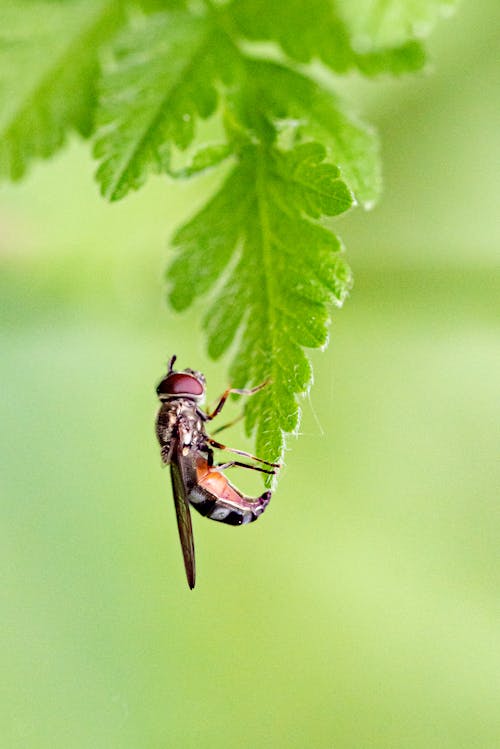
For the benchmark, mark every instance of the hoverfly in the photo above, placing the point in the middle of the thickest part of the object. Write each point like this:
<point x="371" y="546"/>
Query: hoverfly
<point x="187" y="448"/>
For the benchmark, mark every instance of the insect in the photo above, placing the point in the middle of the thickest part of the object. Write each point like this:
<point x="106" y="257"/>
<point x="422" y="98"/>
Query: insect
<point x="188" y="449"/>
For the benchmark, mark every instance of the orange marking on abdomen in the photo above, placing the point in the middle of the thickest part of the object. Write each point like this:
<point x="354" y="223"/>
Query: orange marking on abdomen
<point x="215" y="482"/>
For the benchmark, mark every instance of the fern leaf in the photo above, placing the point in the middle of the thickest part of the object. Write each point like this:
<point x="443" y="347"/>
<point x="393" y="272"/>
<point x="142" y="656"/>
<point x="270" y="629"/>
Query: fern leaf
<point x="277" y="292"/>
<point x="325" y="36"/>
<point x="374" y="24"/>
<point x="319" y="114"/>
<point x="164" y="76"/>
<point x="48" y="68"/>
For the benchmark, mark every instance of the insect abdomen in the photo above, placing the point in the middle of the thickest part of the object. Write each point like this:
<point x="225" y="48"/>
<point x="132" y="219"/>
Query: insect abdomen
<point x="216" y="498"/>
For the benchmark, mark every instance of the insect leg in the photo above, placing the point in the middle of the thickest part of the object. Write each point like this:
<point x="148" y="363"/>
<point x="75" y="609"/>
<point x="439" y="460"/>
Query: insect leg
<point x="229" y="424"/>
<point x="225" y="395"/>
<point x="220" y="446"/>
<point x="232" y="463"/>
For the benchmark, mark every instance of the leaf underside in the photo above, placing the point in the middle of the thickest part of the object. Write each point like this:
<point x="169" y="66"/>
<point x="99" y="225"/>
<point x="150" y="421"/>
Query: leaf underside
<point x="277" y="293"/>
<point x="162" y="79"/>
<point x="262" y="249"/>
<point x="48" y="72"/>
<point x="373" y="24"/>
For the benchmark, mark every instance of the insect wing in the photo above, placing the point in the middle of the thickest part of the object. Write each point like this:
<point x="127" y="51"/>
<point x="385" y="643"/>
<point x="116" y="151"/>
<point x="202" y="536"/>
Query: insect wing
<point x="183" y="521"/>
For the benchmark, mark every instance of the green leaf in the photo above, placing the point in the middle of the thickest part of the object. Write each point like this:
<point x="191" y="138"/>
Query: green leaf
<point x="163" y="76"/>
<point x="297" y="154"/>
<point x="319" y="114"/>
<point x="154" y="6"/>
<point x="405" y="58"/>
<point x="204" y="158"/>
<point x="378" y="23"/>
<point x="48" y="68"/>
<point x="314" y="29"/>
<point x="276" y="272"/>
<point x="303" y="29"/>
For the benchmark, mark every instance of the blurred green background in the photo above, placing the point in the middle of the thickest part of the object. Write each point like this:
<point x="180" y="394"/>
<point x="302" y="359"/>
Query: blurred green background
<point x="363" y="609"/>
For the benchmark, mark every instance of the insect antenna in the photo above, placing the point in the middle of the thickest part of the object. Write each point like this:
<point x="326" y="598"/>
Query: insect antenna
<point x="171" y="364"/>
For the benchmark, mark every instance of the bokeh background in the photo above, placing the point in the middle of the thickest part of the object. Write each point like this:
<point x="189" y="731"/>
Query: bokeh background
<point x="363" y="609"/>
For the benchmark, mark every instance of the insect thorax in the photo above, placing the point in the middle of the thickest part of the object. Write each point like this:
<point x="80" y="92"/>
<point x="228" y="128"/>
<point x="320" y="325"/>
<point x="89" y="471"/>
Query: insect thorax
<point x="178" y="420"/>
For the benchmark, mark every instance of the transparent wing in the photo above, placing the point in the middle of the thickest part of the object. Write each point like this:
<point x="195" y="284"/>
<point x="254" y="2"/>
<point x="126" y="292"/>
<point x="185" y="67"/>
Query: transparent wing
<point x="183" y="521"/>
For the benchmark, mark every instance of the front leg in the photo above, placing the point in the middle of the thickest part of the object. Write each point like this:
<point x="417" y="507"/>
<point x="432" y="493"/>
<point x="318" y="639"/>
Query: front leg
<point x="225" y="395"/>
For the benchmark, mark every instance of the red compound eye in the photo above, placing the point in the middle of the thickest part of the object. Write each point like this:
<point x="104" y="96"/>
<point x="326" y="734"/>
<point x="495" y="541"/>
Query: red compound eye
<point x="180" y="384"/>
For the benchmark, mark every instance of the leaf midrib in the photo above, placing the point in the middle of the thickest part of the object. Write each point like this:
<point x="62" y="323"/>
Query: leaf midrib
<point x="266" y="235"/>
